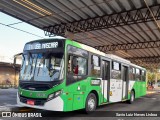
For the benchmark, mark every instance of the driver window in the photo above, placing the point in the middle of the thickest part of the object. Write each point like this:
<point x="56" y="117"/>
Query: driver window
<point x="77" y="68"/>
<point x="77" y="65"/>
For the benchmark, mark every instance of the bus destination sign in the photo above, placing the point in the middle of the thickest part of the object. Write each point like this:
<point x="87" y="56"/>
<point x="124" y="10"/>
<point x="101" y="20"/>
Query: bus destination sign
<point x="37" y="45"/>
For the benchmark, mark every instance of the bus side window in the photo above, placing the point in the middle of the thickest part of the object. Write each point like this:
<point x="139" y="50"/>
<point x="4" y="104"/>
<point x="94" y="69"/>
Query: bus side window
<point x="69" y="64"/>
<point x="72" y="65"/>
<point x="75" y="65"/>
<point x="138" y="76"/>
<point x="71" y="78"/>
<point x="116" y="70"/>
<point x="132" y="73"/>
<point x="95" y="66"/>
<point x="143" y="75"/>
<point x="77" y="68"/>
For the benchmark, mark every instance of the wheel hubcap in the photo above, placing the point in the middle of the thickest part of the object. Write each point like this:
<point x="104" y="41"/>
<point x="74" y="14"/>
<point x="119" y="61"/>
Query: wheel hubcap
<point x="91" y="103"/>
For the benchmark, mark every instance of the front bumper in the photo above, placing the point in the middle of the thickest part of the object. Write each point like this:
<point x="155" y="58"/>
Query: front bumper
<point x="55" y="104"/>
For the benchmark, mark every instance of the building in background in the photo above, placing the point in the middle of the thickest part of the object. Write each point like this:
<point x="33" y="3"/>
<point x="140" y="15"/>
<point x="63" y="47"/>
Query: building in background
<point x="9" y="73"/>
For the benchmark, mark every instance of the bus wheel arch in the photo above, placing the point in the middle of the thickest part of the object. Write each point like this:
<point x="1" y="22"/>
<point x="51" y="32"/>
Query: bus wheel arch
<point x="97" y="96"/>
<point x="91" y="101"/>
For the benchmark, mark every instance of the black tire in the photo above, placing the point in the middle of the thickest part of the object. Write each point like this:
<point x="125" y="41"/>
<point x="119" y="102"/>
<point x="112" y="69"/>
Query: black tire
<point x="132" y="97"/>
<point x="91" y="103"/>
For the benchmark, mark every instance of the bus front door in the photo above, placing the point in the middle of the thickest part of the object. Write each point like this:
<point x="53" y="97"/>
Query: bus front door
<point x="105" y="80"/>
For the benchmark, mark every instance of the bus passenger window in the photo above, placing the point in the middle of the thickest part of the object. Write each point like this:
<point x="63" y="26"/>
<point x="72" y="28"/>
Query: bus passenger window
<point x="132" y="73"/>
<point x="138" y="76"/>
<point x="116" y="66"/>
<point x="143" y="75"/>
<point x="95" y="66"/>
<point x="116" y="70"/>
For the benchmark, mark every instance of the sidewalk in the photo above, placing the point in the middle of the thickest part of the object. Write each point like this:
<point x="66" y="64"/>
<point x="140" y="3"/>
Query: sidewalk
<point x="154" y="90"/>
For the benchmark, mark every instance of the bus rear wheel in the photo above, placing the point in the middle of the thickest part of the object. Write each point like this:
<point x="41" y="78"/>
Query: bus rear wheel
<point x="132" y="97"/>
<point x="91" y="103"/>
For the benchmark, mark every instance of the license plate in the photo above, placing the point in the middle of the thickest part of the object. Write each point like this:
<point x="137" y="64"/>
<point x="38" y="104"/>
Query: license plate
<point x="30" y="102"/>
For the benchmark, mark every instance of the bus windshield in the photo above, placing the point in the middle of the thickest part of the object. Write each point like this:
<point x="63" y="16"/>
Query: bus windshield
<point x="42" y="67"/>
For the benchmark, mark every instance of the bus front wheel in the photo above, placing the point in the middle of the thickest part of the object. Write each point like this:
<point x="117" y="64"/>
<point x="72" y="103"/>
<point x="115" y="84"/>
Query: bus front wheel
<point x="91" y="103"/>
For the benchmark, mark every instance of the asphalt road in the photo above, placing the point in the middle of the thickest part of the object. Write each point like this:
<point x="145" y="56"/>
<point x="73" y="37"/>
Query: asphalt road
<point x="150" y="102"/>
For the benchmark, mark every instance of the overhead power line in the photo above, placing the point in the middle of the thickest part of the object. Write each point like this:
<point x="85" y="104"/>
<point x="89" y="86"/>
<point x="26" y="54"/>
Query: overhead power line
<point x="21" y="30"/>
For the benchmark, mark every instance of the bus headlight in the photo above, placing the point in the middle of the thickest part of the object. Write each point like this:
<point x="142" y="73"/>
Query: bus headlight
<point x="54" y="95"/>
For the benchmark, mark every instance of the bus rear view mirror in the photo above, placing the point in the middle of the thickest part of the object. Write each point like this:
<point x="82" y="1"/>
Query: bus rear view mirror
<point x="15" y="58"/>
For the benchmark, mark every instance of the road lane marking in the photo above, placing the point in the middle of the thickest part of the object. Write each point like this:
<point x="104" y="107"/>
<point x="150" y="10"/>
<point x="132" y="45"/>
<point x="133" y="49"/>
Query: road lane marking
<point x="4" y="108"/>
<point x="9" y="107"/>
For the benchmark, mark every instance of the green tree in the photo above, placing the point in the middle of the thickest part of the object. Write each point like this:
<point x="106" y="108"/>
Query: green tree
<point x="151" y="76"/>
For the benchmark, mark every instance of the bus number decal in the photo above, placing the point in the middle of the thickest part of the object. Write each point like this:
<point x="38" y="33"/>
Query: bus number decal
<point x="95" y="82"/>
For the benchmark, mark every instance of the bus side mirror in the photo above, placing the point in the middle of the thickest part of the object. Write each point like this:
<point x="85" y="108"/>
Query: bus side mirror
<point x="14" y="61"/>
<point x="15" y="58"/>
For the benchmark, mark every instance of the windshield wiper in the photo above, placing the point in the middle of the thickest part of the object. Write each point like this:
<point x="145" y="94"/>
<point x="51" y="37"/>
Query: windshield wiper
<point x="31" y="66"/>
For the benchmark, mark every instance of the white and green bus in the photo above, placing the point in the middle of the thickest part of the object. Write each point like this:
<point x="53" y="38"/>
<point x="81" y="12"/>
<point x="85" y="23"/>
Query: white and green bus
<point x="64" y="75"/>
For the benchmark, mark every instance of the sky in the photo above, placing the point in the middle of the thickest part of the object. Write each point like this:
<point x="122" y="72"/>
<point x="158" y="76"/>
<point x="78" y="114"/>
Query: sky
<point x="12" y="41"/>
